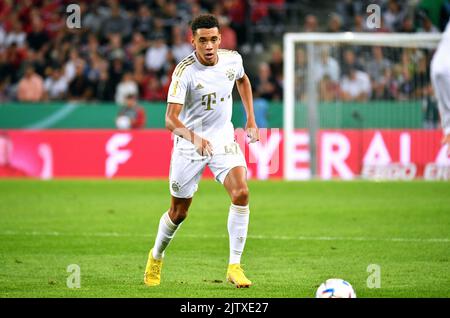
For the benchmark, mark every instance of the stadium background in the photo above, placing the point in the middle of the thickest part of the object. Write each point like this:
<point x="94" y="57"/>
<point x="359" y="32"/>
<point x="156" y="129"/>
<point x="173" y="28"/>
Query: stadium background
<point x="79" y="78"/>
<point x="59" y="123"/>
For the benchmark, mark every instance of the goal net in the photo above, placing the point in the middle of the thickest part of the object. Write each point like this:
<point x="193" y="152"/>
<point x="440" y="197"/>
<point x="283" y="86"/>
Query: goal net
<point x="354" y="102"/>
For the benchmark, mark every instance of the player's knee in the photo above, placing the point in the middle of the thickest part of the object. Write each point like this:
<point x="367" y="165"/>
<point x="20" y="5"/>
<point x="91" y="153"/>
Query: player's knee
<point x="239" y="196"/>
<point x="178" y="213"/>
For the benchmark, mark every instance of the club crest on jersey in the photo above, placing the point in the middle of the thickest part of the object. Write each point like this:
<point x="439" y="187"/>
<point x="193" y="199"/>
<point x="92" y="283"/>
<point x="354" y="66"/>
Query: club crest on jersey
<point x="230" y="74"/>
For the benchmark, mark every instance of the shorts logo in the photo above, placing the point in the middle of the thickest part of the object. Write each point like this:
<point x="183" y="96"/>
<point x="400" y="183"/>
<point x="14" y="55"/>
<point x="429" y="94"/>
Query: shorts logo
<point x="230" y="74"/>
<point x="175" y="186"/>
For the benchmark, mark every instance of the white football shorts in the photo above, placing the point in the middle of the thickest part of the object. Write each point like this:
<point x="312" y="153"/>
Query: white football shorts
<point x="185" y="173"/>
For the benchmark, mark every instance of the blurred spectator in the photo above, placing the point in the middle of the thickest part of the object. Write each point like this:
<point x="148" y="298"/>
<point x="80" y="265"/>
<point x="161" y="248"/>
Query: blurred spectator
<point x="156" y="54"/>
<point x="125" y="88"/>
<point x="326" y="65"/>
<point x="355" y="85"/>
<point x="56" y="85"/>
<point x="115" y="48"/>
<point x="393" y="15"/>
<point x="80" y="88"/>
<point x="13" y="61"/>
<point x="70" y="67"/>
<point x="2" y="37"/>
<point x="31" y="86"/>
<point x="301" y="73"/>
<point x="276" y="64"/>
<point x="406" y="87"/>
<point x="115" y="72"/>
<point x="4" y="94"/>
<point x="348" y="10"/>
<point x="265" y="86"/>
<point x="116" y="22"/>
<point x="96" y="66"/>
<point x="131" y="115"/>
<point x="93" y="46"/>
<point x="159" y="31"/>
<point x="334" y="23"/>
<point x="421" y="77"/>
<point x="430" y="109"/>
<point x="16" y="35"/>
<point x="407" y="25"/>
<point x="386" y="88"/>
<point x="310" y="24"/>
<point x="103" y="90"/>
<point x="153" y="90"/>
<point x="91" y="19"/>
<point x="376" y="67"/>
<point x="349" y="60"/>
<point x="358" y="24"/>
<point x="228" y="35"/>
<point x="328" y="89"/>
<point x="137" y="46"/>
<point x="170" y="16"/>
<point x="37" y="39"/>
<point x="236" y="11"/>
<point x="143" y="23"/>
<point x="180" y="48"/>
<point x="139" y="72"/>
<point x="426" y="25"/>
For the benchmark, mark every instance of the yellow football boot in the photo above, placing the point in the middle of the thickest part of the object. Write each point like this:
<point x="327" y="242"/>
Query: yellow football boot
<point x="152" y="276"/>
<point x="235" y="275"/>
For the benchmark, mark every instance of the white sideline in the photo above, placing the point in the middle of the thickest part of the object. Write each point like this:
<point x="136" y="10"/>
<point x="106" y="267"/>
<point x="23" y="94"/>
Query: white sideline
<point x="257" y="237"/>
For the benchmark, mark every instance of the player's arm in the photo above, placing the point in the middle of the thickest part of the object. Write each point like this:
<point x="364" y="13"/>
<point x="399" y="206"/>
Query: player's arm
<point x="245" y="91"/>
<point x="175" y="125"/>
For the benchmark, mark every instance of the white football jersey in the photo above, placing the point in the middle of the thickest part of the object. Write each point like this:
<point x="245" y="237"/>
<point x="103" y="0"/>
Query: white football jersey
<point x="206" y="95"/>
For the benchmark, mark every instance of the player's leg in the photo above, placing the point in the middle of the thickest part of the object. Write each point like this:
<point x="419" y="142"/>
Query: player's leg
<point x="169" y="223"/>
<point x="184" y="178"/>
<point x="238" y="218"/>
<point x="168" y="226"/>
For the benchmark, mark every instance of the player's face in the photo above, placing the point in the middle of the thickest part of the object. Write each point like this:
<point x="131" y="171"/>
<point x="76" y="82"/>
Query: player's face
<point x="206" y="43"/>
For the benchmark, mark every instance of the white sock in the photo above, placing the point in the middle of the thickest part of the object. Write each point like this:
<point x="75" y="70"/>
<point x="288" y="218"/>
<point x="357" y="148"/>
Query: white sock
<point x="238" y="218"/>
<point x="166" y="232"/>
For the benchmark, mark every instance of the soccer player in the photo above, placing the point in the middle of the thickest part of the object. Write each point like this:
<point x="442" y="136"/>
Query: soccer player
<point x="199" y="115"/>
<point x="440" y="77"/>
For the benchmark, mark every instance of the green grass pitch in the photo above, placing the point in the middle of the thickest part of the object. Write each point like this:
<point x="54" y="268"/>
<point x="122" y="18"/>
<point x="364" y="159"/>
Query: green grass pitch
<point x="300" y="234"/>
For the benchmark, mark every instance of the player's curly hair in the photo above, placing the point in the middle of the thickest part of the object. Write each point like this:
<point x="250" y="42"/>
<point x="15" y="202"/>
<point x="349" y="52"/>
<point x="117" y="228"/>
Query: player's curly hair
<point x="206" y="21"/>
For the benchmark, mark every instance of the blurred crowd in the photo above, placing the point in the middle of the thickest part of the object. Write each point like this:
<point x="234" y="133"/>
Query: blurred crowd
<point x="131" y="48"/>
<point x="121" y="48"/>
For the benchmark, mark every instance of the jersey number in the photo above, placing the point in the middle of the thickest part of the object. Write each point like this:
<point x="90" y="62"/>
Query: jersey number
<point x="208" y="100"/>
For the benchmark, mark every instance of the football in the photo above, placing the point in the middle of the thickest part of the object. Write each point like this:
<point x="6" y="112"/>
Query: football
<point x="335" y="288"/>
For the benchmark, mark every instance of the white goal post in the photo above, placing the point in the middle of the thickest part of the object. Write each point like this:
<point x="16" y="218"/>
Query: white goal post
<point x="309" y="41"/>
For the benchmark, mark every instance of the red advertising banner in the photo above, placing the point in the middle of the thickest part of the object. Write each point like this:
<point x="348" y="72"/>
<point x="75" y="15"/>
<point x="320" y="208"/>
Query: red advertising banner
<point x="342" y="154"/>
<point x="382" y="154"/>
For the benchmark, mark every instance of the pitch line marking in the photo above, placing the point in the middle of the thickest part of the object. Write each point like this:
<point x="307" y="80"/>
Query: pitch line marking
<point x="257" y="237"/>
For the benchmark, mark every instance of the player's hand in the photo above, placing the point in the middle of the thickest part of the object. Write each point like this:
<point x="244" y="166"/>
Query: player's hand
<point x="204" y="147"/>
<point x="446" y="141"/>
<point x="252" y="131"/>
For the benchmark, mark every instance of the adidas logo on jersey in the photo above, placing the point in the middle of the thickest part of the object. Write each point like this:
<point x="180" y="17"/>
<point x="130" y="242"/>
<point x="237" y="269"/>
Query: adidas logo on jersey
<point x="199" y="86"/>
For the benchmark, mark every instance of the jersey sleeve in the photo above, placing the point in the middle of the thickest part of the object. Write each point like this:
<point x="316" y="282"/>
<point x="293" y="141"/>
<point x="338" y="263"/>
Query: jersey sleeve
<point x="240" y="69"/>
<point x="178" y="89"/>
